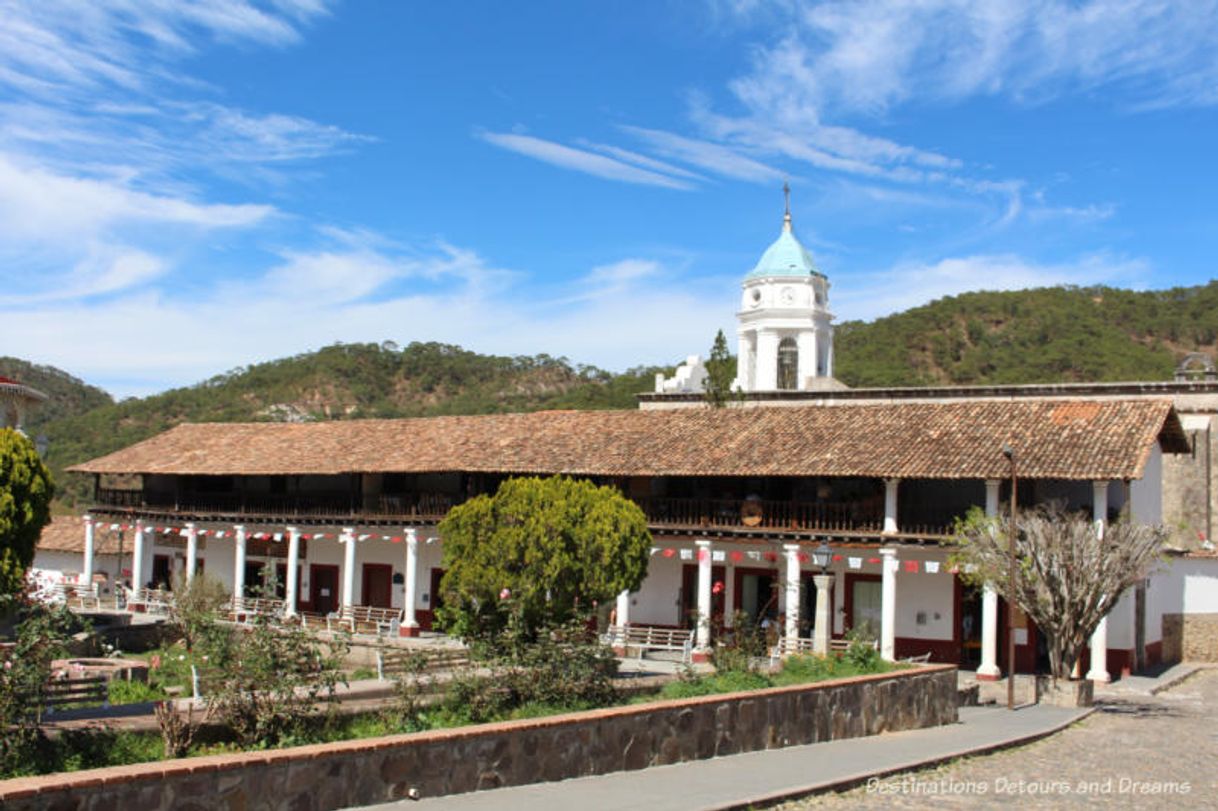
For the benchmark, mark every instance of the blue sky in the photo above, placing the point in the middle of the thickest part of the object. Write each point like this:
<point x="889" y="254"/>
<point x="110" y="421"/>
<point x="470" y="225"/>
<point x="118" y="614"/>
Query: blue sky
<point x="186" y="186"/>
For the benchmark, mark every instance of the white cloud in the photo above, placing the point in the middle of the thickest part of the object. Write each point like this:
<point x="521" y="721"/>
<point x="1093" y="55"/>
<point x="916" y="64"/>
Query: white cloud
<point x="867" y="296"/>
<point x="581" y="160"/>
<point x="151" y="339"/>
<point x="713" y="157"/>
<point x="870" y="55"/>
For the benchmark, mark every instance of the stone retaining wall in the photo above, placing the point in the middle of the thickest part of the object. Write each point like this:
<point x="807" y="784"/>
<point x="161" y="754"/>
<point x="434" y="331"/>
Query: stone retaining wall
<point x="328" y="776"/>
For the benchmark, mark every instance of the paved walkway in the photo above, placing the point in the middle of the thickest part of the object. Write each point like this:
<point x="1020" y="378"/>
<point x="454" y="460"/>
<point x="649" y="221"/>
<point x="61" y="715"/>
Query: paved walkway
<point x="755" y="778"/>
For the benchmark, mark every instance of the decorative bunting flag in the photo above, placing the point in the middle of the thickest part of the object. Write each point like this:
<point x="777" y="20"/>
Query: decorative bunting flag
<point x="754" y="554"/>
<point x="396" y="539"/>
<point x="364" y="537"/>
<point x="932" y="567"/>
<point x="668" y="553"/>
<point x="655" y="549"/>
<point x="687" y="554"/>
<point x="736" y="555"/>
<point x="278" y="536"/>
<point x="718" y="556"/>
<point x="873" y="560"/>
<point x="856" y="563"/>
<point x="802" y="557"/>
<point x="772" y="557"/>
<point x="954" y="570"/>
<point x="837" y="558"/>
<point x="703" y="554"/>
<point x="911" y="566"/>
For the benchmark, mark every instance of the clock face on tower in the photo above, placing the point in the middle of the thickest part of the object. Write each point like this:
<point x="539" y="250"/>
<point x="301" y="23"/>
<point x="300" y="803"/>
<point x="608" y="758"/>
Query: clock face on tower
<point x="787" y="296"/>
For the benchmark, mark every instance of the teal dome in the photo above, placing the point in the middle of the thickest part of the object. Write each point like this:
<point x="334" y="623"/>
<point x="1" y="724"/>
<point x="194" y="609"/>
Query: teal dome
<point x="786" y="257"/>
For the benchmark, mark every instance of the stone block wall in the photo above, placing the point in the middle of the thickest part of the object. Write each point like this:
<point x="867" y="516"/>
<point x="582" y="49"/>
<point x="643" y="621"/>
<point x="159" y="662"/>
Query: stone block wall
<point x="1190" y="637"/>
<point x="328" y="776"/>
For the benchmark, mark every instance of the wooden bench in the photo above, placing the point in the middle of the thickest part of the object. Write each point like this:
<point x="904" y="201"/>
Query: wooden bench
<point x="366" y="619"/>
<point x="395" y="662"/>
<point x="648" y="637"/>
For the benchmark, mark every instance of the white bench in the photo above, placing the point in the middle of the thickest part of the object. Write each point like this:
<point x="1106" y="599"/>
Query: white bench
<point x="648" y="637"/>
<point x="790" y="646"/>
<point x="154" y="601"/>
<point x="245" y="608"/>
<point x="843" y="645"/>
<point x="357" y="618"/>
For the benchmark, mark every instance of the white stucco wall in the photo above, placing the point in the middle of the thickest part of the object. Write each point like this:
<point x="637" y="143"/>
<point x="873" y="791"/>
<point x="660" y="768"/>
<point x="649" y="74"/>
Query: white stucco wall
<point x="1146" y="493"/>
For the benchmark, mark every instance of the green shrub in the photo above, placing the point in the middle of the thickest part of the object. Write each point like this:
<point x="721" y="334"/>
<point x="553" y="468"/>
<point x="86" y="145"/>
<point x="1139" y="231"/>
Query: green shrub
<point x="133" y="692"/>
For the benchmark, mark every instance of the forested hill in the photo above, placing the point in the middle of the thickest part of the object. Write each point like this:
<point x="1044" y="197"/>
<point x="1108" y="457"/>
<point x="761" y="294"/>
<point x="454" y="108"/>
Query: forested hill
<point x="349" y="381"/>
<point x="1047" y="335"/>
<point x="67" y="395"/>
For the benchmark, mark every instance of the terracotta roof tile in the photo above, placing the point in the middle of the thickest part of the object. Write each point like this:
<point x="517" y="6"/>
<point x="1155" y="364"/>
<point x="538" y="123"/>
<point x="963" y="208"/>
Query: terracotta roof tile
<point x="1108" y="439"/>
<point x="66" y="533"/>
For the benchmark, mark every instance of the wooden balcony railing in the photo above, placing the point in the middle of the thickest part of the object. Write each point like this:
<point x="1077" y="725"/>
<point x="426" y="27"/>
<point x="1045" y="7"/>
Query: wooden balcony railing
<point x="864" y="516"/>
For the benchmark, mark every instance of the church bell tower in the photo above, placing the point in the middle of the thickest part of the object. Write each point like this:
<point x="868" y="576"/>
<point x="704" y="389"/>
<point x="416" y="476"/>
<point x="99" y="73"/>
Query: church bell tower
<point x="784" y="325"/>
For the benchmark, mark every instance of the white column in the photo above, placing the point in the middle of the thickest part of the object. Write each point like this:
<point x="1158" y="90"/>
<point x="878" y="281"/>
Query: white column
<point x="1099" y="639"/>
<point x="238" y="562"/>
<point x="988" y="668"/>
<point x="890" y="506"/>
<point x="192" y="551"/>
<point x="745" y="342"/>
<point x="702" y="642"/>
<point x="767" y="360"/>
<point x="792" y="626"/>
<point x="829" y="353"/>
<point x="823" y="629"/>
<point x="623" y="609"/>
<point x="348" y="539"/>
<point x="291" y="589"/>
<point x="412" y="577"/>
<point x="888" y="603"/>
<point x="86" y="574"/>
<point x="137" y="560"/>
<point x="806" y="342"/>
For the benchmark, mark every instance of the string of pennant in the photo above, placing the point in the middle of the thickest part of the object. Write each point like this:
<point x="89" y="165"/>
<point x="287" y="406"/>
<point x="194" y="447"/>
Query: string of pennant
<point x="277" y="537"/>
<point x="737" y="556"/>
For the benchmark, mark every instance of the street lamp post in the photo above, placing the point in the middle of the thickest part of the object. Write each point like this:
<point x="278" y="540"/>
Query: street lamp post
<point x="1009" y="453"/>
<point x="824" y="585"/>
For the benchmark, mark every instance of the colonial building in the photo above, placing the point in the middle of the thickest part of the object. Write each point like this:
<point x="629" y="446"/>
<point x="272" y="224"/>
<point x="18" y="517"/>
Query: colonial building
<point x="737" y="500"/>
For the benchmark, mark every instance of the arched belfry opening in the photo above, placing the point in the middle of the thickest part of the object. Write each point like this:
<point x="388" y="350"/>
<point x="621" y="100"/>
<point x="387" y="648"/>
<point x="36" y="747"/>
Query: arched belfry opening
<point x="788" y="364"/>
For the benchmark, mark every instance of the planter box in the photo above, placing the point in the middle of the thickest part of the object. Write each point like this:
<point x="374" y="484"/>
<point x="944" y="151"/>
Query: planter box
<point x="1065" y="693"/>
<point x="375" y="770"/>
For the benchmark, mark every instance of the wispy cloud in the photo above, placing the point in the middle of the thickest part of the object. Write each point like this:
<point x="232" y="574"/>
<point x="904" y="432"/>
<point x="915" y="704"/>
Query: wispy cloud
<point x="871" y="295"/>
<point x="869" y="55"/>
<point x="714" y="157"/>
<point x="351" y="294"/>
<point x="581" y="160"/>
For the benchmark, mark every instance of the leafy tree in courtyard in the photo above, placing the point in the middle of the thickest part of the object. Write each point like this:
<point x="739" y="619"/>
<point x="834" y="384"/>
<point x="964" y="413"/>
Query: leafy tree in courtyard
<point x="537" y="554"/>
<point x="25" y="508"/>
<point x="1069" y="578"/>
<point x="720" y="373"/>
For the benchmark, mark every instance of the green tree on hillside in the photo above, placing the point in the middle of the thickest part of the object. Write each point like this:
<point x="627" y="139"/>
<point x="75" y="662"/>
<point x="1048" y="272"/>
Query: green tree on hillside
<point x="25" y="508"/>
<point x="537" y="554"/>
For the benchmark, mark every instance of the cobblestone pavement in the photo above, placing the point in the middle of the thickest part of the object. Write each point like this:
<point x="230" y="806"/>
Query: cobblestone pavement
<point x="1118" y="757"/>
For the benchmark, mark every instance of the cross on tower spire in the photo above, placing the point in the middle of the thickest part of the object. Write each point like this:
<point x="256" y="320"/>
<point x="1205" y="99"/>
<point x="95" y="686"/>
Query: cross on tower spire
<point x="786" y="217"/>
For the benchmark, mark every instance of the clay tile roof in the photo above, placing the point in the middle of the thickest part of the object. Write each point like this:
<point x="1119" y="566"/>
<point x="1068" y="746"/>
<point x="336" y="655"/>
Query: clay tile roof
<point x="66" y="533"/>
<point x="1093" y="439"/>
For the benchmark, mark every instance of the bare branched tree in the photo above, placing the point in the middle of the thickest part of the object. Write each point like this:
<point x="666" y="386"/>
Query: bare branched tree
<point x="1069" y="577"/>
